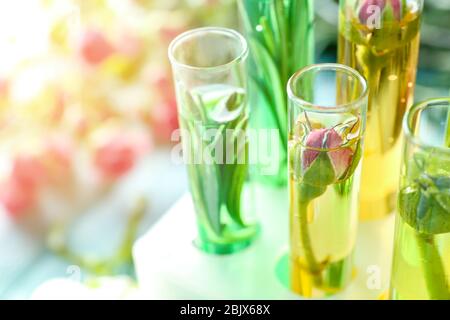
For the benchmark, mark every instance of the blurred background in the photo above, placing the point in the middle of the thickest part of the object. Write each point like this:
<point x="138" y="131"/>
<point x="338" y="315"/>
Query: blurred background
<point x="87" y="110"/>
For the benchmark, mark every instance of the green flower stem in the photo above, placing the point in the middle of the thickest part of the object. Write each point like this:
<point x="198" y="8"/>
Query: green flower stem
<point x="312" y="264"/>
<point x="433" y="268"/>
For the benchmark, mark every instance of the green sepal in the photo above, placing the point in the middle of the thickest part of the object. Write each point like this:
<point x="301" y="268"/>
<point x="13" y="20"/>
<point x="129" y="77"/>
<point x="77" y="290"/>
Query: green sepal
<point x="321" y="172"/>
<point x="356" y="158"/>
<point x="317" y="177"/>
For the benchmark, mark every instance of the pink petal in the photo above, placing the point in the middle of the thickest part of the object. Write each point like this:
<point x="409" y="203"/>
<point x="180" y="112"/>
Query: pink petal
<point x="340" y="158"/>
<point x="314" y="140"/>
<point x="334" y="140"/>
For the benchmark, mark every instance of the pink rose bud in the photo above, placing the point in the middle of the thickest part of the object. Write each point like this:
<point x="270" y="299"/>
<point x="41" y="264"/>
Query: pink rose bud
<point x="95" y="48"/>
<point x="366" y="10"/>
<point x="327" y="139"/>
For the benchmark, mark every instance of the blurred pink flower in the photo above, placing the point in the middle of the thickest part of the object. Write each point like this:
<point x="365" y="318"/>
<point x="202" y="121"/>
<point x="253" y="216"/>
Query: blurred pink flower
<point x="129" y="45"/>
<point x="164" y="119"/>
<point x="4" y="87"/>
<point x="60" y="151"/>
<point x="17" y="197"/>
<point x="119" y="154"/>
<point x="28" y="171"/>
<point x="161" y="82"/>
<point x="18" y="193"/>
<point x="95" y="48"/>
<point x="115" y="158"/>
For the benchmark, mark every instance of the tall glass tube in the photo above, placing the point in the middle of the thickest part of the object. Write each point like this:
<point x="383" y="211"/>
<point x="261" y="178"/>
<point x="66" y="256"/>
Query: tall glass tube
<point x="380" y="39"/>
<point x="421" y="263"/>
<point x="280" y="37"/>
<point x="327" y="118"/>
<point x="211" y="86"/>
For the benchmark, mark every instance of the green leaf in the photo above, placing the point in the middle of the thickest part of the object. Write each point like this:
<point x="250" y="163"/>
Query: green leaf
<point x="432" y="162"/>
<point x="425" y="202"/>
<point x="192" y="110"/>
<point x="233" y="201"/>
<point x="427" y="211"/>
<point x="273" y="82"/>
<point x="204" y="186"/>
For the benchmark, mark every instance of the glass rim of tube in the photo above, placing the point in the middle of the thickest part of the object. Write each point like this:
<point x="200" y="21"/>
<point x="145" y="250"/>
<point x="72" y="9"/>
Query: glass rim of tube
<point x="408" y="122"/>
<point x="338" y="108"/>
<point x="241" y="56"/>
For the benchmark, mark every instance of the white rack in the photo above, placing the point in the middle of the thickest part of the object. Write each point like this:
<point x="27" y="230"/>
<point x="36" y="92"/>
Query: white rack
<point x="168" y="265"/>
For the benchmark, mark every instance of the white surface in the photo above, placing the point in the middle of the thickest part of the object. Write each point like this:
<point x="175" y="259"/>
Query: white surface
<point x="168" y="266"/>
